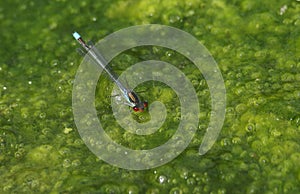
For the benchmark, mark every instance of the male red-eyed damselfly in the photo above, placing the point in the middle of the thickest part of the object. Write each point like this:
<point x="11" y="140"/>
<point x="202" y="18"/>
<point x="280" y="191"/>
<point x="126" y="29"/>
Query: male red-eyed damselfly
<point x="131" y="97"/>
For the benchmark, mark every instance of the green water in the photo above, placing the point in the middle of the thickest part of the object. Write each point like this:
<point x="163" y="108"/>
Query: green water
<point x="256" y="45"/>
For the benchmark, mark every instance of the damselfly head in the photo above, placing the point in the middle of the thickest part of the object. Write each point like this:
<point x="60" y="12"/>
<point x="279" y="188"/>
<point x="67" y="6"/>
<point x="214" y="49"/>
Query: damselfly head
<point x="140" y="107"/>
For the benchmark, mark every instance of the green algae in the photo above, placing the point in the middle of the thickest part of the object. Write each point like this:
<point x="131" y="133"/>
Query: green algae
<point x="256" y="45"/>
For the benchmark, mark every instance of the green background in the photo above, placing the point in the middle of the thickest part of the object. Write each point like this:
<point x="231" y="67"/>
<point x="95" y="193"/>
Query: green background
<point x="256" y="45"/>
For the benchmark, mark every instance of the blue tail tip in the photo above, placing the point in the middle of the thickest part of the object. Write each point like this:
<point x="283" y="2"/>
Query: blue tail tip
<point x="76" y="35"/>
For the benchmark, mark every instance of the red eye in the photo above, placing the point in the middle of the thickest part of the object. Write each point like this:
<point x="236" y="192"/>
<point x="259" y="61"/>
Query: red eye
<point x="135" y="109"/>
<point x="145" y="104"/>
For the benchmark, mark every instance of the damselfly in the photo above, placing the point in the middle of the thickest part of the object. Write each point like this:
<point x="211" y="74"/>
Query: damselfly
<point x="131" y="97"/>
